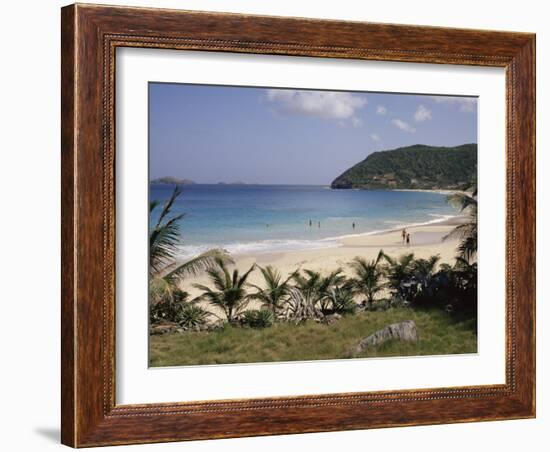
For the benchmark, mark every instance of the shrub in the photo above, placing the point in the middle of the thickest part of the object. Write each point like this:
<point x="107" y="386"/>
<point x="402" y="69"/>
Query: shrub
<point x="398" y="302"/>
<point x="342" y="301"/>
<point x="192" y="317"/>
<point x="301" y="306"/>
<point x="453" y="289"/>
<point x="257" y="318"/>
<point x="165" y="305"/>
<point x="368" y="277"/>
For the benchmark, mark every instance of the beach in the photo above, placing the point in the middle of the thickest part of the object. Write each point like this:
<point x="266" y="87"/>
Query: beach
<point x="426" y="240"/>
<point x="307" y="227"/>
<point x="440" y="332"/>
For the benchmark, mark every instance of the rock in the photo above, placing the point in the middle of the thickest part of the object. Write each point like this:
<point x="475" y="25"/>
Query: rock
<point x="331" y="318"/>
<point x="403" y="331"/>
<point x="163" y="328"/>
<point x="212" y="326"/>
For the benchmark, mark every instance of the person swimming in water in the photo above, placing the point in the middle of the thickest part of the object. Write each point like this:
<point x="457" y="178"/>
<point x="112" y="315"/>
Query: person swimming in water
<point x="310" y="222"/>
<point x="353" y="225"/>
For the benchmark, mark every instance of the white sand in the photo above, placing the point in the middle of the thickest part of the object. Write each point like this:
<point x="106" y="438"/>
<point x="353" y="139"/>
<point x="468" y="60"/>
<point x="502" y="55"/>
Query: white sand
<point x="425" y="241"/>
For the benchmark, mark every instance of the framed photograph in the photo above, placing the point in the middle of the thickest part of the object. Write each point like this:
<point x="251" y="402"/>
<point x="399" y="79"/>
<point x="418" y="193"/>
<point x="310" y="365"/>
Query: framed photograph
<point x="281" y="225"/>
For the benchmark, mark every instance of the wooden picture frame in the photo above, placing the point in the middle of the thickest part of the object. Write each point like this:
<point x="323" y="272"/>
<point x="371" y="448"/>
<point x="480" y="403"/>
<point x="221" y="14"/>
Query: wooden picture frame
<point x="90" y="36"/>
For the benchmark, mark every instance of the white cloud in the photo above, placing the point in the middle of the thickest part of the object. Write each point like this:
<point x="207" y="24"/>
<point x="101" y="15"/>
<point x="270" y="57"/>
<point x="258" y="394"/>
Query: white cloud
<point x="422" y="114"/>
<point x="320" y="104"/>
<point x="381" y="110"/>
<point x="375" y="137"/>
<point x="466" y="104"/>
<point x="405" y="126"/>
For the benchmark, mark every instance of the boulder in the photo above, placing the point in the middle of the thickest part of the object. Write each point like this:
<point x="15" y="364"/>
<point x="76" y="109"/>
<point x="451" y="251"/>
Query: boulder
<point x="331" y="318"/>
<point x="163" y="328"/>
<point x="402" y="331"/>
<point x="213" y="326"/>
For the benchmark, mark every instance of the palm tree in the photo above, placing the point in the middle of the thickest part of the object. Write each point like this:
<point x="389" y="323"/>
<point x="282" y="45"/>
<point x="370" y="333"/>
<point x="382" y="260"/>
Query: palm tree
<point x="165" y="300"/>
<point x="426" y="281"/>
<point x="308" y="282"/>
<point x="164" y="239"/>
<point x="368" y="276"/>
<point x="342" y="299"/>
<point x="230" y="290"/>
<point x="466" y="232"/>
<point x="164" y="236"/>
<point x="327" y="290"/>
<point x="164" y="290"/>
<point x="316" y="287"/>
<point x="424" y="269"/>
<point x="399" y="271"/>
<point x="275" y="291"/>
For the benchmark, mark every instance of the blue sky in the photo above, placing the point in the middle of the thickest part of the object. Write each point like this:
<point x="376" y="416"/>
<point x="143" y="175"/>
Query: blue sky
<point x="216" y="134"/>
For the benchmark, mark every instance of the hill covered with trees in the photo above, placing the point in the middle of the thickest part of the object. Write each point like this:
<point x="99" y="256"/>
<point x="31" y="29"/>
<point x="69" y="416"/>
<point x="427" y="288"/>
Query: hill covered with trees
<point x="414" y="167"/>
<point x="170" y="180"/>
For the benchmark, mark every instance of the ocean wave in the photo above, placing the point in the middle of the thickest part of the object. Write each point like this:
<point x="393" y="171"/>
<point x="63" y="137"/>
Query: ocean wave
<point x="439" y="219"/>
<point x="273" y="246"/>
<point x="259" y="247"/>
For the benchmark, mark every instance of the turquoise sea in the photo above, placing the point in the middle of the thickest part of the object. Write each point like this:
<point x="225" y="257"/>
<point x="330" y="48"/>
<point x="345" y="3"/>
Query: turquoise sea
<point x="270" y="218"/>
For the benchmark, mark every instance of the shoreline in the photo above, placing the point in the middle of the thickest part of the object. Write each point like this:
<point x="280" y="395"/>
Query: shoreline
<point x="448" y="220"/>
<point x="442" y="191"/>
<point x="426" y="241"/>
<point x="326" y="243"/>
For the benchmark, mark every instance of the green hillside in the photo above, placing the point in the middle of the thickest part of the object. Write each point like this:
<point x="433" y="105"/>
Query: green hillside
<point x="170" y="180"/>
<point x="414" y="167"/>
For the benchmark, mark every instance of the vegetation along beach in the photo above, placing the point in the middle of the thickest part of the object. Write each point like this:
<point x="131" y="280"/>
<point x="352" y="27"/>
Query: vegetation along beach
<point x="205" y="313"/>
<point x="281" y="230"/>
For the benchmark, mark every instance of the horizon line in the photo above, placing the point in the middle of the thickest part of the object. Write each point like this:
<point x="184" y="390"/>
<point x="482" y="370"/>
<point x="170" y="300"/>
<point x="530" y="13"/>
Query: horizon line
<point x="151" y="182"/>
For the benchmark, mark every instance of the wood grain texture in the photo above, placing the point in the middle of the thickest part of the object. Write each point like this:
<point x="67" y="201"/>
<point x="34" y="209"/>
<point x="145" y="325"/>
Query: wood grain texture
<point x="90" y="36"/>
<point x="68" y="244"/>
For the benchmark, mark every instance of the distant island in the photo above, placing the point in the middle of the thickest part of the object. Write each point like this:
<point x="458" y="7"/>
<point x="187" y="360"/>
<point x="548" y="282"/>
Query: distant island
<point x="170" y="180"/>
<point x="238" y="182"/>
<point x="413" y="167"/>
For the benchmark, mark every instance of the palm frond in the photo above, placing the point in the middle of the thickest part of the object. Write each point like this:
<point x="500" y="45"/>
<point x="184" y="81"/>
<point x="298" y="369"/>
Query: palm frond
<point x="462" y="201"/>
<point x="465" y="232"/>
<point x="244" y="277"/>
<point x="462" y="231"/>
<point x="230" y="294"/>
<point x="202" y="262"/>
<point x="153" y="205"/>
<point x="390" y="260"/>
<point x="168" y="205"/>
<point x="163" y="241"/>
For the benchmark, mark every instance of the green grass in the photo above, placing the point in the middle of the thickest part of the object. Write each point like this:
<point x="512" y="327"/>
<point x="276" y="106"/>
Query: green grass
<point x="439" y="334"/>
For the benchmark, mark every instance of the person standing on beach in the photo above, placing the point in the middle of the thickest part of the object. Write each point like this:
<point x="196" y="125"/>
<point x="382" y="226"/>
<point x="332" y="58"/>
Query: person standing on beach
<point x="403" y="235"/>
<point x="408" y="239"/>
